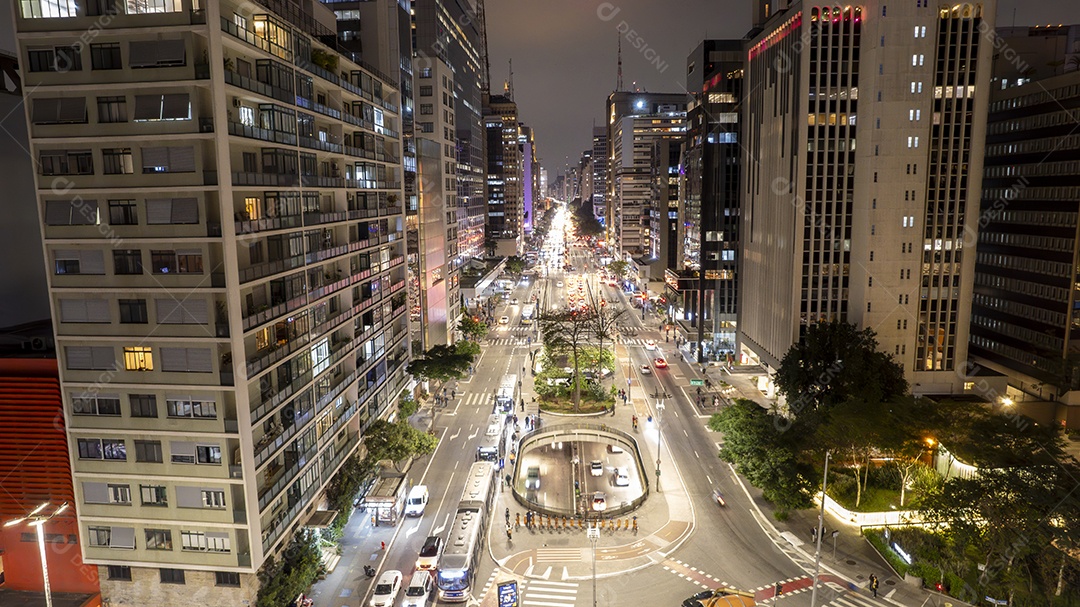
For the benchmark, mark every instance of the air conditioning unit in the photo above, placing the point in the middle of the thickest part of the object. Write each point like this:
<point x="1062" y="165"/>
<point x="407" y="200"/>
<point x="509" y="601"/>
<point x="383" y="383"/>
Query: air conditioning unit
<point x="38" y="344"/>
<point x="236" y="102"/>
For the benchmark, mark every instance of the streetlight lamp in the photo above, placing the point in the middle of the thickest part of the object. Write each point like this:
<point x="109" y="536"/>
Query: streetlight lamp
<point x="659" y="440"/>
<point x="36" y="519"/>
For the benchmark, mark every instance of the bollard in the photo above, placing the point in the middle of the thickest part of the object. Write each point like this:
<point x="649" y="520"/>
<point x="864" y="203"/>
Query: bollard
<point x="564" y="521"/>
<point x="517" y="520"/>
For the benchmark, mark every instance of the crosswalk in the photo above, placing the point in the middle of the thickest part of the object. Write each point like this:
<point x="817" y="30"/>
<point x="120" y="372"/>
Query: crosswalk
<point x="542" y="593"/>
<point x="558" y="555"/>
<point x="851" y="599"/>
<point x="476" y="399"/>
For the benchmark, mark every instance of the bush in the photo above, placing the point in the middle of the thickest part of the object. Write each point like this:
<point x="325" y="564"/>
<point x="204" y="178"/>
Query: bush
<point x="929" y="574"/>
<point x="877" y="540"/>
<point x="842" y="487"/>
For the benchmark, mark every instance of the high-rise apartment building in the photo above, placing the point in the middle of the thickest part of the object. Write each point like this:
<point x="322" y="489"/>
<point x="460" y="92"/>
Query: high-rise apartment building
<point x="528" y="177"/>
<point x="645" y="136"/>
<point x="221" y="207"/>
<point x="448" y="29"/>
<point x="433" y="229"/>
<point x="865" y="128"/>
<point x="599" y="170"/>
<point x="505" y="176"/>
<point x="1024" y="306"/>
<point x="702" y="283"/>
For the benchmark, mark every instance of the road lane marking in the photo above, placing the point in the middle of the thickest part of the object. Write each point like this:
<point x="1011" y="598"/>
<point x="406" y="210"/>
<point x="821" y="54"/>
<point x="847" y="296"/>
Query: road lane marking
<point x="439" y="529"/>
<point x="413" y="530"/>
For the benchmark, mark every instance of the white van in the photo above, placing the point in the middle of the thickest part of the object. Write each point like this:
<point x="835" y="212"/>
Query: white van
<point x="417" y="501"/>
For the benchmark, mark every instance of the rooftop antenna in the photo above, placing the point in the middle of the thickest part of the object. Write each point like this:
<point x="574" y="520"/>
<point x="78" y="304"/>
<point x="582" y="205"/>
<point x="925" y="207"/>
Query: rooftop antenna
<point x="485" y="75"/>
<point x="510" y="82"/>
<point x="618" y="79"/>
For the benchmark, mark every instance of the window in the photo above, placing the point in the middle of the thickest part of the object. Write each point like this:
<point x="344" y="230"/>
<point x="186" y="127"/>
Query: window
<point x="85" y="310"/>
<point x="120" y="573"/>
<point x="240" y="21"/>
<point x="99" y="536"/>
<point x="67" y="162"/>
<point x="59" y="110"/>
<point x="127" y="261"/>
<point x="102" y="448"/>
<point x="163" y="262"/>
<point x="247" y="115"/>
<point x="160" y="211"/>
<point x="213" y="498"/>
<point x="426" y="108"/>
<point x="48" y="9"/>
<point x="187" y="312"/>
<point x="89" y="358"/>
<point x="168" y="160"/>
<point x="425" y="91"/>
<point x="188" y="407"/>
<point x="156" y="53"/>
<point x="172" y="576"/>
<point x="95" y="405"/>
<point x="189" y="262"/>
<point x="123" y="213"/>
<point x="427" y="127"/>
<point x="133" y="311"/>
<point x="41" y="60"/>
<point x="209" y="454"/>
<point x="148" y="451"/>
<point x="138" y="358"/>
<point x="105" y="56"/>
<point x="153" y="495"/>
<point x="170" y="106"/>
<point x="117" y="161"/>
<point x="112" y="109"/>
<point x="205" y="542"/>
<point x="158" y="539"/>
<point x="143" y="405"/>
<point x="119" y="494"/>
<point x="227" y="578"/>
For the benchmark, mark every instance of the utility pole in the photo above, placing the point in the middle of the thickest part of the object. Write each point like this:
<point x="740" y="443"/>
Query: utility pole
<point x="659" y="440"/>
<point x="594" y="534"/>
<point x="820" y="528"/>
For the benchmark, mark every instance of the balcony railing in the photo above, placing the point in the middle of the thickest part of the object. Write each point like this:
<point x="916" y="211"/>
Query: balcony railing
<point x="259" y="362"/>
<point x="268" y="492"/>
<point x="318" y="144"/>
<point x="260" y="317"/>
<point x="276" y="50"/>
<point x="271" y="267"/>
<point x="254" y="132"/>
<point x="270" y="444"/>
<point x="318" y="181"/>
<point x="251" y="226"/>
<point x="266" y="90"/>
<point x="261" y="179"/>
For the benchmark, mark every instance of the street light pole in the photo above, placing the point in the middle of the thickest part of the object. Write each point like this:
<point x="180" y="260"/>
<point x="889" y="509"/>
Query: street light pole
<point x="594" y="534"/>
<point x="659" y="441"/>
<point x="820" y="529"/>
<point x="38" y="520"/>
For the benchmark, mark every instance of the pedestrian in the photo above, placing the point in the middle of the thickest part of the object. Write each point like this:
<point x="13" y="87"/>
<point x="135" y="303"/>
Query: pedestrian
<point x="522" y="404"/>
<point x="873" y="584"/>
<point x="507" y="516"/>
<point x="612" y="410"/>
<point x="453" y="393"/>
<point x="382" y="545"/>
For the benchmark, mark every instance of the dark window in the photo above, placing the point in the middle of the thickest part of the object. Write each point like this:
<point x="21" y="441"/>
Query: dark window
<point x="133" y="311"/>
<point x="105" y="56"/>
<point x="120" y="572"/>
<point x="112" y="109"/>
<point x="227" y="578"/>
<point x="190" y="263"/>
<point x="161" y="539"/>
<point x="68" y="59"/>
<point x="143" y="405"/>
<point x="43" y="60"/>
<point x="67" y="162"/>
<point x="172" y="576"/>
<point x="127" y="261"/>
<point x="89" y="448"/>
<point x="163" y="262"/>
<point x="117" y="161"/>
<point x="148" y="451"/>
<point x="209" y="454"/>
<point x="123" y="213"/>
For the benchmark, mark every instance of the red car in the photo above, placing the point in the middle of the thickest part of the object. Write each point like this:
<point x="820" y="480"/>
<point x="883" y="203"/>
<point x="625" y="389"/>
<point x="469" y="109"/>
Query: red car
<point x="660" y="363"/>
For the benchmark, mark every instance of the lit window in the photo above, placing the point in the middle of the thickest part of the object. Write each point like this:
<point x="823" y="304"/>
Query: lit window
<point x="247" y="115"/>
<point x="138" y="358"/>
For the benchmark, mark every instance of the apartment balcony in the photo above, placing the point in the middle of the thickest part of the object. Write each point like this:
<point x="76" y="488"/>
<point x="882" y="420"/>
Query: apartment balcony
<point x="266" y="179"/>
<point x="262" y="270"/>
<point x="358" y="152"/>
<point x="318" y="181"/>
<point x="314" y="219"/>
<point x="254" y="132"/>
<point x="265" y="224"/>
<point x="277" y="352"/>
<point x="318" y="71"/>
<point x="312" y="143"/>
<point x="304" y="102"/>
<point x="249" y="37"/>
<point x="279" y="476"/>
<point x="357" y="121"/>
<point x="273" y="441"/>
<point x="329" y="289"/>
<point x="268" y="313"/>
<point x="261" y="88"/>
<point x="259" y="413"/>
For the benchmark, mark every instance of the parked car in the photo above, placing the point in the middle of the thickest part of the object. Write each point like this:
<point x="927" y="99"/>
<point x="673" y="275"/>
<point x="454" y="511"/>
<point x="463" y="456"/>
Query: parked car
<point x="596" y="468"/>
<point x="613" y="448"/>
<point x="429" y="554"/>
<point x="386" y="589"/>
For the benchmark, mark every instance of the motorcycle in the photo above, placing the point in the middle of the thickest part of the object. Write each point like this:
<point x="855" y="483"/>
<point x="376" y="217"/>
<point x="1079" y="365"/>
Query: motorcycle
<point x="369" y="571"/>
<point x="719" y="498"/>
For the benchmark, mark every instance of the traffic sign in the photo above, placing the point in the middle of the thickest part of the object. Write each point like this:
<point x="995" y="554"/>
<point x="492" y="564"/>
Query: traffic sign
<point x="508" y="594"/>
<point x="697" y="382"/>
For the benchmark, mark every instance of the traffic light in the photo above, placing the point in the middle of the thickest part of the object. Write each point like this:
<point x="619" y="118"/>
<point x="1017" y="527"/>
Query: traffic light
<point x="779" y="588"/>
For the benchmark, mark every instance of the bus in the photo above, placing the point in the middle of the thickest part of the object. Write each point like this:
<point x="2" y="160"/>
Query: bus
<point x="464" y="547"/>
<point x="506" y="396"/>
<point x="527" y="314"/>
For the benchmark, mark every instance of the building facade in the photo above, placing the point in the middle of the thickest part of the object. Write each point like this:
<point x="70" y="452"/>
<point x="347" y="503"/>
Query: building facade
<point x="505" y="176"/>
<point x="221" y="207"/>
<point x="865" y="128"/>
<point x="599" y="158"/>
<point x="1024" y="301"/>
<point x="703" y="280"/>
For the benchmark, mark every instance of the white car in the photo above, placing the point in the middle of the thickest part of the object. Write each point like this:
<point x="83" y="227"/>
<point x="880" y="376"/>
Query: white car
<point x="493" y="429"/>
<point x="505" y="320"/>
<point x="514" y="301"/>
<point x="621" y="477"/>
<point x="418" y="593"/>
<point x="559" y="284"/>
<point x="650" y="344"/>
<point x="386" y="589"/>
<point x="646" y="370"/>
<point x="596" y="468"/>
<point x="599" y="502"/>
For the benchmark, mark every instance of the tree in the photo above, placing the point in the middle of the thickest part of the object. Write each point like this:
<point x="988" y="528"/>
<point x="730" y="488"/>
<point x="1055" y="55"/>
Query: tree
<point x="855" y="430"/>
<point x="585" y="221"/>
<point x="472" y="327"/>
<point x="835" y="362"/>
<point x="397" y="441"/>
<point x="755" y="444"/>
<point x="407" y="405"/>
<point x="603" y="322"/>
<point x="443" y="363"/>
<point x="280" y="582"/>
<point x="515" y="265"/>
<point x="566" y="332"/>
<point x="618" y="268"/>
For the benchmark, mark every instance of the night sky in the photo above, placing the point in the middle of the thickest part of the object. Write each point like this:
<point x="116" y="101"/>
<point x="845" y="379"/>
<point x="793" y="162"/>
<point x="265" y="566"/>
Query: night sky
<point x="564" y="54"/>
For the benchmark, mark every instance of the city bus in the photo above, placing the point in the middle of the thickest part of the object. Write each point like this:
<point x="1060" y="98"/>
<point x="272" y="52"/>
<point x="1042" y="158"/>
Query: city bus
<point x="506" y="396"/>
<point x="460" y="560"/>
<point x="527" y="314"/>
